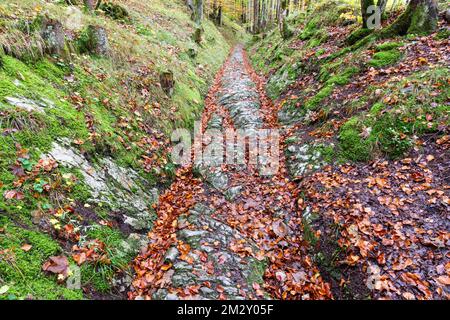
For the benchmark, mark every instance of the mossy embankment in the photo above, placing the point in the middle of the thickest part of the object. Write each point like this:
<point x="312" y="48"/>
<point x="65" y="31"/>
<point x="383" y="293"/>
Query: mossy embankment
<point x="104" y="104"/>
<point x="353" y="104"/>
<point x="376" y="97"/>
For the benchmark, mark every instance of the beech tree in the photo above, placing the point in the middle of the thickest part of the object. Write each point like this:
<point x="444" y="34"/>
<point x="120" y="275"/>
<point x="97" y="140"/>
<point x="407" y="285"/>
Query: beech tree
<point x="365" y="12"/>
<point x="420" y="16"/>
<point x="90" y="4"/>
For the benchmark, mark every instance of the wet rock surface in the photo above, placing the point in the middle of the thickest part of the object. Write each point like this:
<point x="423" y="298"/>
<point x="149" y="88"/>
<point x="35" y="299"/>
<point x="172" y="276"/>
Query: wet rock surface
<point x="303" y="159"/>
<point x="210" y="265"/>
<point x="53" y="35"/>
<point x="239" y="95"/>
<point x="225" y="230"/>
<point x="121" y="188"/>
<point x="29" y="104"/>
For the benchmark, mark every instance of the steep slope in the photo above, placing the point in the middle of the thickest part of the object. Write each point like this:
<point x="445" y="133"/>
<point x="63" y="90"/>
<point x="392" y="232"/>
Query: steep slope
<point x="87" y="101"/>
<point x="366" y="132"/>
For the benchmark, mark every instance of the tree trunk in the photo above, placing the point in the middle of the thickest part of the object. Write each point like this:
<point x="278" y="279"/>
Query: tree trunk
<point x="90" y="4"/>
<point x="255" y="16"/>
<point x="199" y="11"/>
<point x="282" y="15"/>
<point x="382" y="5"/>
<point x="365" y="4"/>
<point x="420" y="17"/>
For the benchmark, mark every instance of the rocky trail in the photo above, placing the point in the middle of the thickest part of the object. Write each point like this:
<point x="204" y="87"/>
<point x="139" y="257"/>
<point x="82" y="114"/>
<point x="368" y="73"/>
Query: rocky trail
<point x="230" y="231"/>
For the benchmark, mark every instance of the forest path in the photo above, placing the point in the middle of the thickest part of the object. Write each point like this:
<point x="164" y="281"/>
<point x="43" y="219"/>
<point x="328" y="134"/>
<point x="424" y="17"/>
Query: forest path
<point x="230" y="231"/>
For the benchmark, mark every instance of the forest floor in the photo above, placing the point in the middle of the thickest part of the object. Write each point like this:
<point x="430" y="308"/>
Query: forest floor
<point x="230" y="232"/>
<point x="93" y="205"/>
<point x="216" y="234"/>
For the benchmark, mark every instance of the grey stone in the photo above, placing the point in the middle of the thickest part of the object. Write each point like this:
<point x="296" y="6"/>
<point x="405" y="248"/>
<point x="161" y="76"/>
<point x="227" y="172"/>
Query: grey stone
<point x="53" y="35"/>
<point x="231" y="291"/>
<point x="98" y="41"/>
<point x="206" y="291"/>
<point x="160" y="294"/>
<point x="218" y="180"/>
<point x="109" y="183"/>
<point x="27" y="104"/>
<point x="183" y="266"/>
<point x="215" y="122"/>
<point x="172" y="296"/>
<point x="224" y="280"/>
<point x="171" y="254"/>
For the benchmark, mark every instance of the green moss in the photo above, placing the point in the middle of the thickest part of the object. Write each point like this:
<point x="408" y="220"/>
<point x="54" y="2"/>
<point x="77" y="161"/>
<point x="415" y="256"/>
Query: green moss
<point x="353" y="146"/>
<point x="115" y="11"/>
<point x="385" y="58"/>
<point x="286" y="30"/>
<point x="387" y="46"/>
<point x="257" y="270"/>
<point x="310" y="29"/>
<point x="344" y="77"/>
<point x="422" y="21"/>
<point x="327" y="152"/>
<point x="327" y="69"/>
<point x="391" y="135"/>
<point x="22" y="271"/>
<point x="320" y="52"/>
<point x="314" y="102"/>
<point x="97" y="277"/>
<point x="189" y="103"/>
<point x="284" y="77"/>
<point x="357" y="35"/>
<point x="443" y="34"/>
<point x="100" y="275"/>
<point x="377" y="108"/>
<point x="79" y="190"/>
<point x="114" y="241"/>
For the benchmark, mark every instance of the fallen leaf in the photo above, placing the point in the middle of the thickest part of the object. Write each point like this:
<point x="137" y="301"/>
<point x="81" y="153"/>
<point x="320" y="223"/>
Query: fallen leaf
<point x="4" y="289"/>
<point x="166" y="267"/>
<point x="26" y="247"/>
<point x="57" y="265"/>
<point x="279" y="228"/>
<point x="13" y="194"/>
<point x="445" y="280"/>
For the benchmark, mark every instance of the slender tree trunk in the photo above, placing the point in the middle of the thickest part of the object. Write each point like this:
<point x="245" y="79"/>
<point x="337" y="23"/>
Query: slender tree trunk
<point x="199" y="11"/>
<point x="382" y="5"/>
<point x="255" y="16"/>
<point x="283" y="25"/>
<point x="190" y="5"/>
<point x="365" y="4"/>
<point x="90" y="4"/>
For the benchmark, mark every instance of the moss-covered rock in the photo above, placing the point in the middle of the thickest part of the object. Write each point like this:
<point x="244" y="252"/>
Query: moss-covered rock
<point x="354" y="146"/>
<point x="357" y="35"/>
<point x="53" y="35"/>
<point x="314" y="102"/>
<point x="385" y="58"/>
<point x="115" y="11"/>
<point x="285" y="76"/>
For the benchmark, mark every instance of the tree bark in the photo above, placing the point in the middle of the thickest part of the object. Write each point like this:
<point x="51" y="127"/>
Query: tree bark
<point x="382" y="5"/>
<point x="199" y="11"/>
<point x="365" y="4"/>
<point x="420" y="17"/>
<point x="90" y="4"/>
